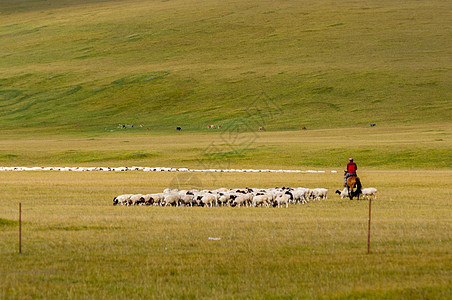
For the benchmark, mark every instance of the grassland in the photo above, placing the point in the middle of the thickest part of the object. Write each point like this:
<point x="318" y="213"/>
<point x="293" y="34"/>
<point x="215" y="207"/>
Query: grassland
<point x="404" y="147"/>
<point x="77" y="245"/>
<point x="73" y="66"/>
<point x="72" y="70"/>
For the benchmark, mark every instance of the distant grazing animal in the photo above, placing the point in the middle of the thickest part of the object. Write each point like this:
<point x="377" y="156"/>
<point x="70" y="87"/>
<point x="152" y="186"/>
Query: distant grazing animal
<point x="304" y="127"/>
<point x="261" y="128"/>
<point x="178" y="128"/>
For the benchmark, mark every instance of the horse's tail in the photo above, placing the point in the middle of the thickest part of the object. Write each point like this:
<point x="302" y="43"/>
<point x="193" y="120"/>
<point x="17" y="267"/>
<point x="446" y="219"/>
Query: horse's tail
<point x="358" y="186"/>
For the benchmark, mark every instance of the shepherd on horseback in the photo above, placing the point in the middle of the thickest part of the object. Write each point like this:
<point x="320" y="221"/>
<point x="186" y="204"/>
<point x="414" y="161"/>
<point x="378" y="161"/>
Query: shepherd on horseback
<point x="351" y="180"/>
<point x="351" y="170"/>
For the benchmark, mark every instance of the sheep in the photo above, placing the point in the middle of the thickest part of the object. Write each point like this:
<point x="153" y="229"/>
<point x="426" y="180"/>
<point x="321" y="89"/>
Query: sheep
<point x="168" y="191"/>
<point x="187" y="199"/>
<point x="157" y="199"/>
<point x="369" y="192"/>
<point x="298" y="195"/>
<point x="122" y="199"/>
<point x="320" y="194"/>
<point x="224" y="199"/>
<point x="171" y="199"/>
<point x="343" y="193"/>
<point x="227" y="197"/>
<point x="282" y="199"/>
<point x="209" y="199"/>
<point x="240" y="200"/>
<point x="136" y="199"/>
<point x="260" y="200"/>
<point x="147" y="199"/>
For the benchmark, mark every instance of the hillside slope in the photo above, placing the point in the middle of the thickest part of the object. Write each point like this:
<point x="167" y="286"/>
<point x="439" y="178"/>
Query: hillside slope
<point x="91" y="65"/>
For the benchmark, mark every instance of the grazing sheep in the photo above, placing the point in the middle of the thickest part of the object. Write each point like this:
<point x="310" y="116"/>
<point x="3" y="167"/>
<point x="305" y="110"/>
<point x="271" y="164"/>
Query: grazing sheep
<point x="136" y="199"/>
<point x="239" y="200"/>
<point x="169" y="191"/>
<point x="122" y="199"/>
<point x="369" y="192"/>
<point x="171" y="199"/>
<point x="343" y="193"/>
<point x="157" y="199"/>
<point x="261" y="200"/>
<point x="320" y="194"/>
<point x="147" y="199"/>
<point x="209" y="199"/>
<point x="187" y="199"/>
<point x="299" y="195"/>
<point x="282" y="199"/>
<point x="226" y="197"/>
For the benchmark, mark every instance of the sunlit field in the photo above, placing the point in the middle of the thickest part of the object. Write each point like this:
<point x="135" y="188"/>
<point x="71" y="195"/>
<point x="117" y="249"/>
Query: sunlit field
<point x="294" y="85"/>
<point x="401" y="147"/>
<point x="77" y="245"/>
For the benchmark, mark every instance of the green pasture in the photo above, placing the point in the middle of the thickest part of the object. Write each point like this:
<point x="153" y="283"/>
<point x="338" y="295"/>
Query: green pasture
<point x="405" y="147"/>
<point x="72" y="72"/>
<point x="77" y="245"/>
<point x="87" y="66"/>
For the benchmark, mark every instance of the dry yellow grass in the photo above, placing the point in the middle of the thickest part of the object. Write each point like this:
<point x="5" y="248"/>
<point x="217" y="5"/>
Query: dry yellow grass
<point x="77" y="245"/>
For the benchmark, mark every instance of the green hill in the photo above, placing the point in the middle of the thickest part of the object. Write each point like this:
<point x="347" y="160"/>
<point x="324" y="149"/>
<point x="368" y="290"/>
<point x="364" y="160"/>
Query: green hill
<point x="91" y="65"/>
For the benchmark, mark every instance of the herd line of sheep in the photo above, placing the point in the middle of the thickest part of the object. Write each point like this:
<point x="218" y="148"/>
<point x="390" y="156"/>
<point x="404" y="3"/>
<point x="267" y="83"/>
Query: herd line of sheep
<point x="251" y="197"/>
<point x="155" y="169"/>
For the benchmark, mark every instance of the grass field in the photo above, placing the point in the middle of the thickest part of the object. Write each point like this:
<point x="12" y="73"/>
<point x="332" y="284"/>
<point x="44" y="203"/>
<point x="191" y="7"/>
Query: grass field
<point x="404" y="147"/>
<point x="72" y="71"/>
<point x="77" y="245"/>
<point x="86" y="66"/>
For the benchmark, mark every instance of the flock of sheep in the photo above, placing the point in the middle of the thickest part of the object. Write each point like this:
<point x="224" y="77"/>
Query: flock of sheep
<point x="251" y="197"/>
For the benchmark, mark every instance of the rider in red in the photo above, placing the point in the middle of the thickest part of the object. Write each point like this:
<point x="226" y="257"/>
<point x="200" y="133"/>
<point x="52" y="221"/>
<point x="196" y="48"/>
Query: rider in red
<point x="351" y="170"/>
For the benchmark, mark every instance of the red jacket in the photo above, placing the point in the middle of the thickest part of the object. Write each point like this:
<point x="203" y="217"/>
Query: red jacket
<point x="351" y="168"/>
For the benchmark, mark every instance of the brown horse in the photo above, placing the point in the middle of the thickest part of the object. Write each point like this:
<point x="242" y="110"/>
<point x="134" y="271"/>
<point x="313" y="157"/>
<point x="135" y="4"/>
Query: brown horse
<point x="352" y="182"/>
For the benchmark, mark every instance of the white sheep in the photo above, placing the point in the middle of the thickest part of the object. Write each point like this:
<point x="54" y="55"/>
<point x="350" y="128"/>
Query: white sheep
<point x="209" y="199"/>
<point x="122" y="199"/>
<point x="187" y="199"/>
<point x="320" y="194"/>
<point x="343" y="193"/>
<point x="136" y="199"/>
<point x="224" y="199"/>
<point x="240" y="200"/>
<point x="147" y="199"/>
<point x="369" y="192"/>
<point x="157" y="199"/>
<point x="169" y="191"/>
<point x="260" y="200"/>
<point x="171" y="199"/>
<point x="283" y="199"/>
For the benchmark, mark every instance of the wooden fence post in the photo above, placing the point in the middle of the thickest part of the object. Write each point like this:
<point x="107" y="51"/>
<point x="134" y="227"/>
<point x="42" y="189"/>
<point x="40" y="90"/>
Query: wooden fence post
<point x="368" y="231"/>
<point x="20" y="228"/>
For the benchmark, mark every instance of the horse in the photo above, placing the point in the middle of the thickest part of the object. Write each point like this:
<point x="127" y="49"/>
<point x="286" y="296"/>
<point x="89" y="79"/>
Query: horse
<point x="352" y="182"/>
